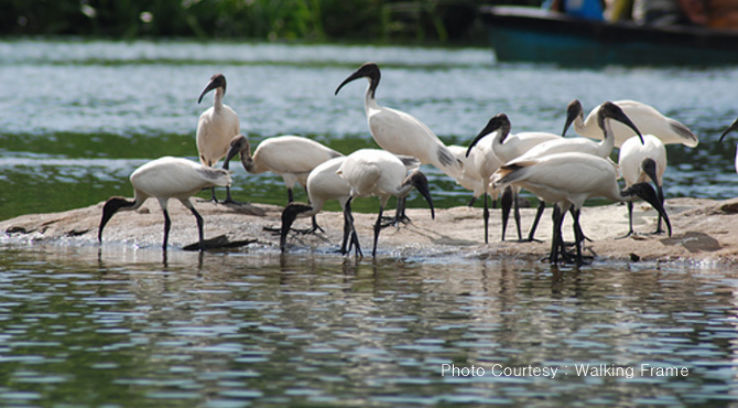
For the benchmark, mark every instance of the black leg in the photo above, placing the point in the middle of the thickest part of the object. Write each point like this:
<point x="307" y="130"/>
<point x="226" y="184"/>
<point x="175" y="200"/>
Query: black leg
<point x="506" y="204"/>
<point x="377" y="228"/>
<point x="471" y="202"/>
<point x="486" y="219"/>
<point x="346" y="232"/>
<point x="212" y="195"/>
<point x="539" y="213"/>
<point x="354" y="237"/>
<point x="516" y="206"/>
<point x="630" y="219"/>
<point x="199" y="227"/>
<point x="660" y="190"/>
<point x="290" y="196"/>
<point x="167" y="225"/>
<point x="558" y="217"/>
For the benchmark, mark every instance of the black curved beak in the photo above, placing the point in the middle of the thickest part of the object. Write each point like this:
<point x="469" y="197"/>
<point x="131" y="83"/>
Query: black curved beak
<point x="730" y="128"/>
<point x="109" y="209"/>
<point x="213" y="84"/>
<point x="237" y="146"/>
<point x="356" y="75"/>
<point x="492" y="125"/>
<point x="573" y="110"/>
<point x="288" y="218"/>
<point x="613" y="111"/>
<point x="420" y="182"/>
<point x="647" y="193"/>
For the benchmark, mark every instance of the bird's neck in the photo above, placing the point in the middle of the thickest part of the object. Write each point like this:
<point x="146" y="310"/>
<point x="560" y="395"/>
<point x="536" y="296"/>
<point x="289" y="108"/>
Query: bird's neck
<point x="248" y="162"/>
<point x="370" y="102"/>
<point x="608" y="141"/>
<point x="218" y="99"/>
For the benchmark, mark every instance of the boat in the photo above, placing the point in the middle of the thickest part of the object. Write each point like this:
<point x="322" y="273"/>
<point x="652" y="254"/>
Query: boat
<point x="537" y="35"/>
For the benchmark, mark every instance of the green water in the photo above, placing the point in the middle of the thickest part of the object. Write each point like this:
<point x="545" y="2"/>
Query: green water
<point x="123" y="326"/>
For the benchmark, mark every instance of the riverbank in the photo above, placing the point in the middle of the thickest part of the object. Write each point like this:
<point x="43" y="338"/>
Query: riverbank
<point x="703" y="231"/>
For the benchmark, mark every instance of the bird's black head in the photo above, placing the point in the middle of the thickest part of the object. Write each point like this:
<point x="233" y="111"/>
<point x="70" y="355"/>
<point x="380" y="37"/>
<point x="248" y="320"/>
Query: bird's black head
<point x="499" y="121"/>
<point x="109" y="209"/>
<point x="289" y="215"/>
<point x="420" y="182"/>
<point x="216" y="81"/>
<point x="609" y="110"/>
<point x="730" y="128"/>
<point x="647" y="193"/>
<point x="368" y="70"/>
<point x="573" y="111"/>
<point x="239" y="144"/>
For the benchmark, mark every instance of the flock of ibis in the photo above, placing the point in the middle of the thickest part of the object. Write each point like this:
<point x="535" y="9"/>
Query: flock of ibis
<point x="563" y="171"/>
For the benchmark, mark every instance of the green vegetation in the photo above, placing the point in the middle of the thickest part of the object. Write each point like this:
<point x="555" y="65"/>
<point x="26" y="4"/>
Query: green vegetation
<point x="310" y="20"/>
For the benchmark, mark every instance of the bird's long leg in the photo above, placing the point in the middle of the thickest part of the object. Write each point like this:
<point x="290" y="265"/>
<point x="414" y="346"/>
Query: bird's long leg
<point x="346" y="233"/>
<point x="377" y="228"/>
<point x="212" y="195"/>
<point x="354" y="237"/>
<point x="315" y="226"/>
<point x="472" y="201"/>
<point x="506" y="204"/>
<point x="167" y="226"/>
<point x="485" y="214"/>
<point x="572" y="211"/>
<point x="556" y="244"/>
<point x="539" y="213"/>
<point x="200" y="234"/>
<point x="516" y="214"/>
<point x="630" y="221"/>
<point x="229" y="199"/>
<point x="290" y="196"/>
<point x="660" y="191"/>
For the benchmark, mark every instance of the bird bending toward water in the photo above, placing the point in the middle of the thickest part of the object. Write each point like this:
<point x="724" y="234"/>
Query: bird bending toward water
<point x="640" y="160"/>
<point x="165" y="178"/>
<point x="374" y="172"/>
<point x="568" y="180"/>
<point x="215" y="128"/>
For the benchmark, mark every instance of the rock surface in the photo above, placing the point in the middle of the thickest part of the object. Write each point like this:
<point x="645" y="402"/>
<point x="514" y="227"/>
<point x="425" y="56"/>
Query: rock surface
<point x="704" y="231"/>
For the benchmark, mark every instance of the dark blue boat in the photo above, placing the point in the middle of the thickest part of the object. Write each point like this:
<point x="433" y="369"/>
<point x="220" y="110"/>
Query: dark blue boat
<point x="537" y="35"/>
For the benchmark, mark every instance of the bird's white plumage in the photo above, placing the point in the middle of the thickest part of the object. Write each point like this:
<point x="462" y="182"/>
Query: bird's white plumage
<point x="631" y="156"/>
<point x="478" y="166"/>
<point x="373" y="172"/>
<point x="646" y="118"/>
<point x="215" y="129"/>
<point x="563" y="178"/>
<point x="517" y="144"/>
<point x="292" y="157"/>
<point x="324" y="184"/>
<point x="173" y="177"/>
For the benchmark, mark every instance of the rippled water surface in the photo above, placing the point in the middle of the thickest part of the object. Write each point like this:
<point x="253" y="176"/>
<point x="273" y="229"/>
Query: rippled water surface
<point x="127" y="326"/>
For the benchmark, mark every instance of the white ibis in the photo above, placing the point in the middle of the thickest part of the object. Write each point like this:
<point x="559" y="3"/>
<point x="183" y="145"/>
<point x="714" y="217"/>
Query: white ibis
<point x="165" y="178"/>
<point x="478" y="167"/>
<point x="374" y="172"/>
<point x="400" y="133"/>
<point x="730" y="128"/>
<point x="608" y="114"/>
<point x="507" y="147"/>
<point x="323" y="184"/>
<point x="645" y="117"/>
<point x="640" y="160"/>
<point x="216" y="127"/>
<point x="291" y="157"/>
<point x="568" y="180"/>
